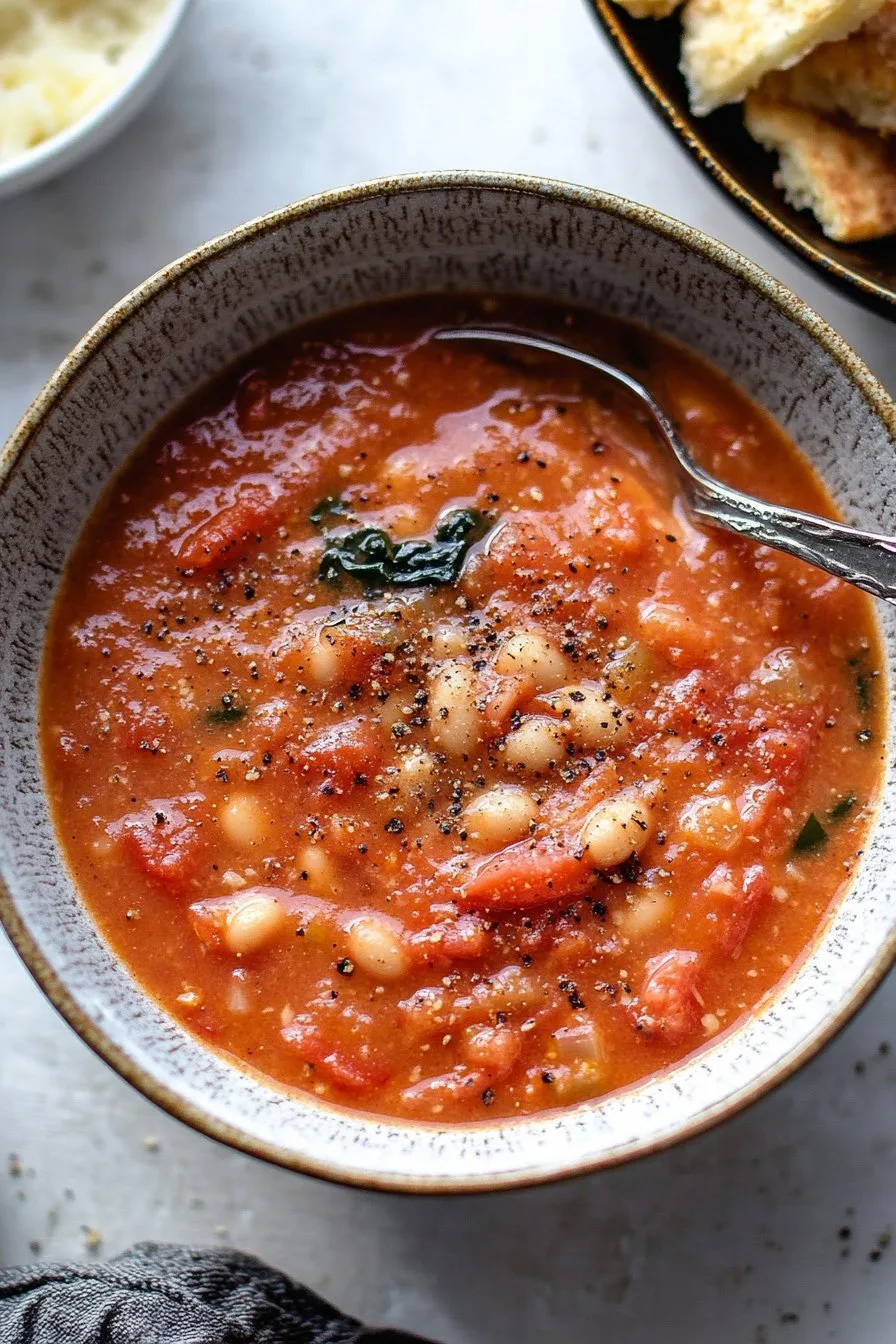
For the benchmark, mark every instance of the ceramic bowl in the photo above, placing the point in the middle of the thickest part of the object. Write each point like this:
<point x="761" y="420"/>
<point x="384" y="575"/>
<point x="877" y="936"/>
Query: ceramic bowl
<point x="473" y="233"/>
<point x="61" y="152"/>
<point x="722" y="147"/>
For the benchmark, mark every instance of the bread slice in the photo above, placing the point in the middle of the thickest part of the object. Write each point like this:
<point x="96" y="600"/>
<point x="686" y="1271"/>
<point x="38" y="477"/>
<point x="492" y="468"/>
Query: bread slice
<point x="649" y="9"/>
<point x="728" y="45"/>
<point x="845" y="175"/>
<point x="856" y="76"/>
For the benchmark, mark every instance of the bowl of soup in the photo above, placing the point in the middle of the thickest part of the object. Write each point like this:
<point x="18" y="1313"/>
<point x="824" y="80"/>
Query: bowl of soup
<point x="397" y="783"/>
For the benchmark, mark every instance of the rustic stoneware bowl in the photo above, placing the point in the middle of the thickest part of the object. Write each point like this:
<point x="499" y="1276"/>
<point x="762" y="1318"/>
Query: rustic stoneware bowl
<point x="469" y="233"/>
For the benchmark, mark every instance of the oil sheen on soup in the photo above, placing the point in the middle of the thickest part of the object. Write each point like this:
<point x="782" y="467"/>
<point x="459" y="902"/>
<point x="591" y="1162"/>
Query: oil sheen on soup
<point x="411" y="744"/>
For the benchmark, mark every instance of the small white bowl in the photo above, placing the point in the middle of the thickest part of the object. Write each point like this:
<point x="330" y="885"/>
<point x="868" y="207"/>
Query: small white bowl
<point x="63" y="151"/>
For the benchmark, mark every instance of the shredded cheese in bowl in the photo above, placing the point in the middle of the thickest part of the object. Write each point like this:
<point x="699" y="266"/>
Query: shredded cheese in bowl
<point x="59" y="59"/>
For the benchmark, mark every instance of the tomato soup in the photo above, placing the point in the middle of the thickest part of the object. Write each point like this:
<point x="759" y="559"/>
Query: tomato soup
<point x="412" y="745"/>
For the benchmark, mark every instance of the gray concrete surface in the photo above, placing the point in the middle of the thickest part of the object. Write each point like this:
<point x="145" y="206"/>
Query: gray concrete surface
<point x="774" y="1227"/>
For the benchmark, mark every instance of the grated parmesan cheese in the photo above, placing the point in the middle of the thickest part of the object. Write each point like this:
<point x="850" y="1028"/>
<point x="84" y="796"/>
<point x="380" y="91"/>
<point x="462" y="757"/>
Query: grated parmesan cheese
<point x="59" y="59"/>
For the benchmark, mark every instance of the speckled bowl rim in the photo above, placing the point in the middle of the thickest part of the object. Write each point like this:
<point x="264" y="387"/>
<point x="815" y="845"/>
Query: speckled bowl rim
<point x="14" y="453"/>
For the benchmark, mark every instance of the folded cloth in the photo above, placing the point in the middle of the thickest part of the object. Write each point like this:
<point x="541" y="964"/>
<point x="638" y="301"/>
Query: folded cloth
<point x="160" y="1294"/>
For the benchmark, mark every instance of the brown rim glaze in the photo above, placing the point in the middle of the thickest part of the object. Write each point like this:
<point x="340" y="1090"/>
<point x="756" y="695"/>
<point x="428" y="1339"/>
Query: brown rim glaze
<point x="851" y="271"/>
<point x="68" y="373"/>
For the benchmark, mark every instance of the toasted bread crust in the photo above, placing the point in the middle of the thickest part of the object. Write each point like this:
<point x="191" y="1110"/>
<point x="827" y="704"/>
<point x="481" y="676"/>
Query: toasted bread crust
<point x="856" y="76"/>
<point x="845" y="175"/>
<point x="649" y="9"/>
<point x="729" y="45"/>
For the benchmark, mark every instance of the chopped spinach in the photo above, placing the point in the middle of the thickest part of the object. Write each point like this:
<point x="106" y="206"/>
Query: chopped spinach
<point x="371" y="556"/>
<point x="812" y="836"/>
<point x="864" y="681"/>
<point x="228" y="712"/>
<point x="842" y="807"/>
<point x="331" y="507"/>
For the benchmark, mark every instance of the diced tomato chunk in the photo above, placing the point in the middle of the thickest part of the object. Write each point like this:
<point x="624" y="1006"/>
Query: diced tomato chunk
<point x="667" y="1005"/>
<point x="493" y="1049"/>
<point x="164" y="841"/>
<point x="730" y="901"/>
<point x="350" y="1071"/>
<point x="463" y="939"/>
<point x="504" y="695"/>
<point x="446" y="1089"/>
<point x="143" y="727"/>
<point x="339" y="754"/>
<point x="253" y="403"/>
<point x="240" y="522"/>
<point x="693" y="706"/>
<point x="783" y="753"/>
<point x="529" y="874"/>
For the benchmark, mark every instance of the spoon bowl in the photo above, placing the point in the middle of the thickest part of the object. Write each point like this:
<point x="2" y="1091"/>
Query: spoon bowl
<point x="865" y="559"/>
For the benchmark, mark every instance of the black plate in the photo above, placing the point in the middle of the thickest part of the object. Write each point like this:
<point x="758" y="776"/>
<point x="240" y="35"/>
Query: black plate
<point x="722" y="147"/>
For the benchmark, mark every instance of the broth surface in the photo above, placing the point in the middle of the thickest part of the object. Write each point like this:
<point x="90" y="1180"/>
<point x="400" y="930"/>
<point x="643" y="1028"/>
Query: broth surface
<point x="410" y="744"/>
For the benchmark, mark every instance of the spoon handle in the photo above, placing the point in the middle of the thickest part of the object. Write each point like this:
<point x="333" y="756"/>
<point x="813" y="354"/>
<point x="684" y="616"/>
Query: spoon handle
<point x="862" y="558"/>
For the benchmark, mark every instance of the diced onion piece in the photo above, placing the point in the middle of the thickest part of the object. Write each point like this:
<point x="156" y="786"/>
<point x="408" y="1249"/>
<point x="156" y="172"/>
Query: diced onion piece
<point x="418" y="772"/>
<point x="711" y="823"/>
<point x="629" y="670"/>
<point x="580" y="1042"/>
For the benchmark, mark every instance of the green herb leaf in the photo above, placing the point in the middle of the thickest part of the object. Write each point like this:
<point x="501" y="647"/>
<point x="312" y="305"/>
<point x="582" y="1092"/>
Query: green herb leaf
<point x="843" y="807"/>
<point x="228" y="712"/>
<point x="864" y="680"/>
<point x="331" y="507"/>
<point x="812" y="836"/>
<point x="371" y="556"/>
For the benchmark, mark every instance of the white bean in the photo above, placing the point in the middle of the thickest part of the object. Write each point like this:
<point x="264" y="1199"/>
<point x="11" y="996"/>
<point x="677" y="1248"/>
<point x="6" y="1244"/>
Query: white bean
<point x="449" y="640"/>
<point x="244" y="821"/>
<point x="593" y="718"/>
<point x="499" y="816"/>
<point x="316" y="872"/>
<point x="418" y="771"/>
<point x="455" y="722"/>
<point x="253" y="923"/>
<point x="375" y="946"/>
<point x="644" y="914"/>
<point x="323" y="661"/>
<point x="531" y="653"/>
<point x="614" y="830"/>
<point x="537" y="744"/>
<point x="629" y="670"/>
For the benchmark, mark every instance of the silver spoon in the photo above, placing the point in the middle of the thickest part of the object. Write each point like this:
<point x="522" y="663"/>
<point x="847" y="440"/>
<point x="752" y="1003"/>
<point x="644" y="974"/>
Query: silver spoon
<point x="862" y="558"/>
